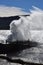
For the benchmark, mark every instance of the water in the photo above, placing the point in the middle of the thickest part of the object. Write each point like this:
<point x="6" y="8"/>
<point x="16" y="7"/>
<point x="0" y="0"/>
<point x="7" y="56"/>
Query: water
<point x="30" y="28"/>
<point x="20" y="29"/>
<point x="3" y="35"/>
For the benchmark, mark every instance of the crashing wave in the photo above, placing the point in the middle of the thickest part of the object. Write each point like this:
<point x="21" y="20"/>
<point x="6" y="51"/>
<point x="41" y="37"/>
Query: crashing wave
<point x="21" y="29"/>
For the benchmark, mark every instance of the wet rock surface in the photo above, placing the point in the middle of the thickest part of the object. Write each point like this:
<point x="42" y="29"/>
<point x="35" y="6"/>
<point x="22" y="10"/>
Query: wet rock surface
<point x="33" y="54"/>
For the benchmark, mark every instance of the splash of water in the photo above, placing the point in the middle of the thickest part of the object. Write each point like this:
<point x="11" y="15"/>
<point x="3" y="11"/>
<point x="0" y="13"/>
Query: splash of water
<point x="21" y="28"/>
<point x="36" y="19"/>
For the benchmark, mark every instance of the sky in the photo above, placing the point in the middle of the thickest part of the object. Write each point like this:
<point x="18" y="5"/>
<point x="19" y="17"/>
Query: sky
<point x="24" y="4"/>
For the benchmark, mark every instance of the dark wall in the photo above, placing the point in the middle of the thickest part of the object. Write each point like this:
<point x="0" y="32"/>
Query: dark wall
<point x="5" y="21"/>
